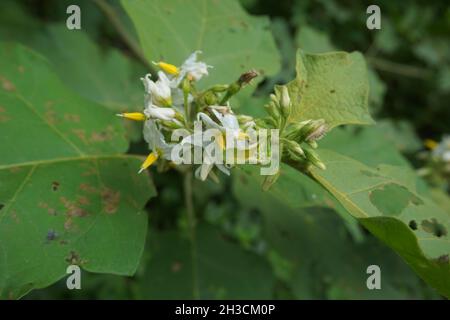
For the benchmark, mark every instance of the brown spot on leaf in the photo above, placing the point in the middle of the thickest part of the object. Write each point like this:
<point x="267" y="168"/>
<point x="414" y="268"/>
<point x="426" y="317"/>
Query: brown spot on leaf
<point x="15" y="217"/>
<point x="88" y="188"/>
<point x="3" y="116"/>
<point x="6" y="84"/>
<point x="68" y="224"/>
<point x="73" y="258"/>
<point x="21" y="69"/>
<point x="83" y="200"/>
<point x="50" y="210"/>
<point x="103" y="135"/>
<point x="81" y="134"/>
<point x="50" y="115"/>
<point x="73" y="208"/>
<point x="72" y="117"/>
<point x="110" y="200"/>
<point x="15" y="169"/>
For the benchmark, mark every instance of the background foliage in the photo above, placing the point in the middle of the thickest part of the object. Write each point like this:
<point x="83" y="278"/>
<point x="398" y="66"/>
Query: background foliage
<point x="69" y="192"/>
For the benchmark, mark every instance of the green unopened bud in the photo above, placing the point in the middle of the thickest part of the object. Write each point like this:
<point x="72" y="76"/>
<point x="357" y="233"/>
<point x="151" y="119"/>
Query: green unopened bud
<point x="220" y="88"/>
<point x="312" y="157"/>
<point x="179" y="117"/>
<point x="295" y="130"/>
<point x="312" y="143"/>
<point x="295" y="156"/>
<point x="263" y="123"/>
<point x="234" y="88"/>
<point x="285" y="102"/>
<point x="186" y="86"/>
<point x="272" y="110"/>
<point x="294" y="147"/>
<point x="243" y="119"/>
<point x="318" y="130"/>
<point x="275" y="100"/>
<point x="171" y="124"/>
<point x="210" y="98"/>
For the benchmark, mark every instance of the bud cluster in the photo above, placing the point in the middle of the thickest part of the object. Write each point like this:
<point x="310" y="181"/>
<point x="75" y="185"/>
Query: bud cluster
<point x="298" y="138"/>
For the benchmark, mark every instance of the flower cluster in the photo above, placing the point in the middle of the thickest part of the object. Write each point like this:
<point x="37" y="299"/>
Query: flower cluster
<point x="174" y="107"/>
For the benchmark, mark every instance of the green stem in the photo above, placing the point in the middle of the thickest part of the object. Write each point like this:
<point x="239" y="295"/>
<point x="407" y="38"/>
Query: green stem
<point x="187" y="109"/>
<point x="188" y="198"/>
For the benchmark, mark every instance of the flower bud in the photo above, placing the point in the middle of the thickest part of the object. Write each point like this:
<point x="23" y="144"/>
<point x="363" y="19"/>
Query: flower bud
<point x="295" y="148"/>
<point x="272" y="110"/>
<point x="171" y="124"/>
<point x="243" y="119"/>
<point x="312" y="143"/>
<point x="318" y="130"/>
<point x="220" y="88"/>
<point x="312" y="157"/>
<point x="285" y="102"/>
<point x="210" y="98"/>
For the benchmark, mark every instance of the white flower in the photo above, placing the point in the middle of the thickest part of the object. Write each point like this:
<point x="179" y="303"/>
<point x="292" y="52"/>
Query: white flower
<point x="229" y="124"/>
<point x="178" y="99"/>
<point x="154" y="112"/>
<point x="158" y="92"/>
<point x="193" y="68"/>
<point x="157" y="144"/>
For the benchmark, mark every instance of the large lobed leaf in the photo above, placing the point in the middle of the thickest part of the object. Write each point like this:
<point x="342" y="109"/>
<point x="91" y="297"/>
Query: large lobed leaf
<point x="232" y="41"/>
<point x="315" y="256"/>
<point x="331" y="86"/>
<point x="385" y="200"/>
<point x="67" y="195"/>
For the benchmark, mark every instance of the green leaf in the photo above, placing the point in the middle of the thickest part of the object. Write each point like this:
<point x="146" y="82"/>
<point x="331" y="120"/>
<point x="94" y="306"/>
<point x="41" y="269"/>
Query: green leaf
<point x="336" y="267"/>
<point x="370" y="145"/>
<point x="67" y="194"/>
<point x="386" y="202"/>
<point x="332" y="86"/>
<point x="312" y="40"/>
<point x="223" y="269"/>
<point x="231" y="40"/>
<point x="108" y="78"/>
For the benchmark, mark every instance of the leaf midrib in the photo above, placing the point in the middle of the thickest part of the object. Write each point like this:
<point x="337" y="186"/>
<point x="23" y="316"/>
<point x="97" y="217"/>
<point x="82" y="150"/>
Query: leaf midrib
<point x="68" y="159"/>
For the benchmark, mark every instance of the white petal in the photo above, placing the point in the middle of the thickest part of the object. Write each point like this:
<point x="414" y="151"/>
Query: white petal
<point x="222" y="168"/>
<point x="208" y="121"/>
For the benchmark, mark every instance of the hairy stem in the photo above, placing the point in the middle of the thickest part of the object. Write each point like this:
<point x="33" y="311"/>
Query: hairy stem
<point x="188" y="198"/>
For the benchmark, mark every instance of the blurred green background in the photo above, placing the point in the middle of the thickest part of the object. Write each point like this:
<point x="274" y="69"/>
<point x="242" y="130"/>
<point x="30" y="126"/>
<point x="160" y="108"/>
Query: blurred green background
<point x="312" y="255"/>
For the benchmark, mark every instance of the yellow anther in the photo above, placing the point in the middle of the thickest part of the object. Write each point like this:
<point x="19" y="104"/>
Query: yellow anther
<point x="220" y="141"/>
<point x="136" y="116"/>
<point x="430" y="144"/>
<point x="152" y="157"/>
<point x="167" y="67"/>
<point x="242" y="135"/>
